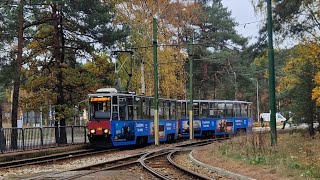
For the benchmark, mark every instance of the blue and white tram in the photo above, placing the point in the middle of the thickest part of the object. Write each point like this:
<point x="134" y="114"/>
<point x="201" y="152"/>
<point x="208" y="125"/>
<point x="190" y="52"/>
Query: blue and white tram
<point x="120" y="119"/>
<point x="215" y="117"/>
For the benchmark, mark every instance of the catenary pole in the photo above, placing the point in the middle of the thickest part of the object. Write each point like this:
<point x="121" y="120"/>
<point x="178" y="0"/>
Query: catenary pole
<point x="258" y="108"/>
<point x="155" y="99"/>
<point x="190" y="88"/>
<point x="272" y="96"/>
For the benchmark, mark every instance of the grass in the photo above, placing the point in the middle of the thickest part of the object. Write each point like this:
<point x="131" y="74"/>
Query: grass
<point x="296" y="154"/>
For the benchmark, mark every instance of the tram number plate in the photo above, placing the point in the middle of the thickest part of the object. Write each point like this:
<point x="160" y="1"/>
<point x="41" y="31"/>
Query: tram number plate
<point x="99" y="129"/>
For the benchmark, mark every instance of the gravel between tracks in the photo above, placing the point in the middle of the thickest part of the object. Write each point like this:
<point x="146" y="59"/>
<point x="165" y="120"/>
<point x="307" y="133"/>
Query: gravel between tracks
<point x="76" y="163"/>
<point x="182" y="158"/>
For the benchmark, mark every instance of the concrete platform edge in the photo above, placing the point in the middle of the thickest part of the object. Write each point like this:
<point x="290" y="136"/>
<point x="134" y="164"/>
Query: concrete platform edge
<point x="219" y="170"/>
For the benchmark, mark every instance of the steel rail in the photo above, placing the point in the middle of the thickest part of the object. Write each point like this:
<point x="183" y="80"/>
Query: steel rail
<point x="150" y="169"/>
<point x="193" y="173"/>
<point x="62" y="175"/>
<point x="51" y="158"/>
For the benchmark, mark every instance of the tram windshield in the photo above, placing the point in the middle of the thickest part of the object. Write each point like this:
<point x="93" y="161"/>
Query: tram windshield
<point x="100" y="107"/>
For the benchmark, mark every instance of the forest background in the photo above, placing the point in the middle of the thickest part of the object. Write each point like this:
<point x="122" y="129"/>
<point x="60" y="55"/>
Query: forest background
<point x="54" y="52"/>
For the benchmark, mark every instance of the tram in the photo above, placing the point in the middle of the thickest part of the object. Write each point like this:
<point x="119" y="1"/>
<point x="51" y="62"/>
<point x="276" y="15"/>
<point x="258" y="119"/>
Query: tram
<point x="215" y="117"/>
<point x="120" y="119"/>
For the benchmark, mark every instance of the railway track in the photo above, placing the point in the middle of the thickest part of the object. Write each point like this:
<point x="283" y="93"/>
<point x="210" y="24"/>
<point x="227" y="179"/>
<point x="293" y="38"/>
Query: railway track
<point x="52" y="158"/>
<point x="164" y="167"/>
<point x="154" y="165"/>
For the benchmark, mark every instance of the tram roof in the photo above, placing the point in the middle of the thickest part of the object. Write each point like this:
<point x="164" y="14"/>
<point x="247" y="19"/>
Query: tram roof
<point x="196" y="100"/>
<point x="109" y="94"/>
<point x="217" y="100"/>
<point x="125" y="94"/>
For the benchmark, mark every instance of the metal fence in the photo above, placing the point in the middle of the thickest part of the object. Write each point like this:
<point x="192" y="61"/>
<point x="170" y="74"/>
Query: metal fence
<point x="24" y="139"/>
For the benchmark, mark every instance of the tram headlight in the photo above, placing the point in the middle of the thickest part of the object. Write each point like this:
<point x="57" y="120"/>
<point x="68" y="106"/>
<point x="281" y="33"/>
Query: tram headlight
<point x="106" y="131"/>
<point x="92" y="131"/>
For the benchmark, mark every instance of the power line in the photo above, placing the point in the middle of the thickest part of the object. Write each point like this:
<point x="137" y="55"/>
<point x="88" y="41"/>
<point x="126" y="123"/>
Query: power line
<point x="252" y="22"/>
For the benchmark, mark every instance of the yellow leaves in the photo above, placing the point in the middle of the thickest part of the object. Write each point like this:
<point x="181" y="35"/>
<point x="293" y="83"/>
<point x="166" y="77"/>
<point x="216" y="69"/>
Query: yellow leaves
<point x="316" y="90"/>
<point x="100" y="63"/>
<point x="172" y="17"/>
<point x="304" y="55"/>
<point x="41" y="39"/>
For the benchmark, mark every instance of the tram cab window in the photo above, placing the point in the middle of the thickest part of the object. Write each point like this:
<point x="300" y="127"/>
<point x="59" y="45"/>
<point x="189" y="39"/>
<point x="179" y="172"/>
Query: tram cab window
<point x="166" y="105"/>
<point x="229" y="110"/>
<point x="100" y="109"/>
<point x="172" y="110"/>
<point x="237" y="110"/>
<point x="196" y="110"/>
<point x="204" y="110"/>
<point x="161" y="109"/>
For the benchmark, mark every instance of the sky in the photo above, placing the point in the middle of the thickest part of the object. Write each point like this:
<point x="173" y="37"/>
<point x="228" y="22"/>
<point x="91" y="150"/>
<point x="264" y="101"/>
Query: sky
<point x="243" y="13"/>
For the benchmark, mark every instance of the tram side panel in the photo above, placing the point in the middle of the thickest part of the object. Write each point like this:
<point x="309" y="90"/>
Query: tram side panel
<point x="225" y="126"/>
<point x="166" y="128"/>
<point x="215" y="126"/>
<point x="184" y="127"/>
<point x="123" y="132"/>
<point x="128" y="132"/>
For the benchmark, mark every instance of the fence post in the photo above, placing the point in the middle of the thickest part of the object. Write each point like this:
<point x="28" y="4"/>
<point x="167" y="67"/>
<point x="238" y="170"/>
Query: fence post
<point x="72" y="135"/>
<point x="1" y="140"/>
<point x="85" y="134"/>
<point x="41" y="136"/>
<point x="23" y="144"/>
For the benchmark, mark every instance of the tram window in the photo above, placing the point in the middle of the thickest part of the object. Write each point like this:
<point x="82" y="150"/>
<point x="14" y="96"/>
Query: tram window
<point x="178" y="110"/>
<point x="151" y="109"/>
<point x="249" y="110"/>
<point x="130" y="113"/>
<point x="115" y="100"/>
<point x="129" y="100"/>
<point x="213" y="113"/>
<point x="220" y="110"/>
<point x="166" y="105"/>
<point x="196" y="110"/>
<point x="172" y="110"/>
<point x="204" y="110"/>
<point x="237" y="110"/>
<point x="229" y="110"/>
<point x="122" y="108"/>
<point x="129" y="105"/>
<point x="244" y="110"/>
<point x="184" y="110"/>
<point x="137" y="108"/>
<point x="115" y="112"/>
<point x="145" y="108"/>
<point x="161" y="110"/>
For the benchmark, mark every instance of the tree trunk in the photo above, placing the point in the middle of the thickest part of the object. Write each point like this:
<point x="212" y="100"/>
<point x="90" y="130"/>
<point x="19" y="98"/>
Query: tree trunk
<point x="2" y="140"/>
<point x="16" y="84"/>
<point x="59" y="57"/>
